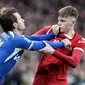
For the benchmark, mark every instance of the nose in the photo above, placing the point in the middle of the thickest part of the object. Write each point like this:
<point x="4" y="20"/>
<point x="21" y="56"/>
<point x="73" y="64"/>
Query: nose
<point x="23" y="20"/>
<point x="59" y="23"/>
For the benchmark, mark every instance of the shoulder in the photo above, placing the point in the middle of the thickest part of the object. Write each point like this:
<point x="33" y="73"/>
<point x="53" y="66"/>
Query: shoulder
<point x="80" y="38"/>
<point x="80" y="42"/>
<point x="5" y="38"/>
<point x="77" y="35"/>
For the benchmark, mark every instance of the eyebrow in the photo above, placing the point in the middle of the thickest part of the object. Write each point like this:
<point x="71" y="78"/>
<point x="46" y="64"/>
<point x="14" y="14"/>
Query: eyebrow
<point x="63" y="20"/>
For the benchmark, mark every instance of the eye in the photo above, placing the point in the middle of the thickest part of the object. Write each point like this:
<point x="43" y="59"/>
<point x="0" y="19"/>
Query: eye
<point x="62" y="20"/>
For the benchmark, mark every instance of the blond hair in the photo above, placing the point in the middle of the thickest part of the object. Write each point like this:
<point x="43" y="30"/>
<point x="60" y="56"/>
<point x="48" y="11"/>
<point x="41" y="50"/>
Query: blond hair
<point x="68" y="11"/>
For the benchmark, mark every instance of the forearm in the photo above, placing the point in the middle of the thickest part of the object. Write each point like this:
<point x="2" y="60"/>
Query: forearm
<point x="28" y="44"/>
<point x="39" y="45"/>
<point x="73" y="60"/>
<point x="42" y="37"/>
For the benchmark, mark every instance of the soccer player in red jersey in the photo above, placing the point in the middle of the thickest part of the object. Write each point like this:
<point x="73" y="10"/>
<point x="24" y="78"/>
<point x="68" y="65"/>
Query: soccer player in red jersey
<point x="53" y="67"/>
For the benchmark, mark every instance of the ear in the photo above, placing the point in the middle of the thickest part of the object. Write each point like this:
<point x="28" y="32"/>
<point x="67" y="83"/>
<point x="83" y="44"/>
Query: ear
<point x="15" y="25"/>
<point x="74" y="20"/>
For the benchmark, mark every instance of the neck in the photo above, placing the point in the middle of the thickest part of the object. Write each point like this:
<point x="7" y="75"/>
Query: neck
<point x="70" y="34"/>
<point x="18" y="32"/>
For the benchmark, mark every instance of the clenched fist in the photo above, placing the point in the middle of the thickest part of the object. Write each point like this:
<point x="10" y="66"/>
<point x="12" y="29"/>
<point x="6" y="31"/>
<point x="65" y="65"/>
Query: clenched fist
<point x="66" y="42"/>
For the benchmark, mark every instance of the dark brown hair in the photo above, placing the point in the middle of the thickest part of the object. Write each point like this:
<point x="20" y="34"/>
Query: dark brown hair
<point x="7" y="18"/>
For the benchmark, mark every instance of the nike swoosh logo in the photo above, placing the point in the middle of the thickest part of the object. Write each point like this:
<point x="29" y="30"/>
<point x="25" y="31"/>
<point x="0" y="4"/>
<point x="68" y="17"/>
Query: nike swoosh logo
<point x="17" y="57"/>
<point x="12" y="55"/>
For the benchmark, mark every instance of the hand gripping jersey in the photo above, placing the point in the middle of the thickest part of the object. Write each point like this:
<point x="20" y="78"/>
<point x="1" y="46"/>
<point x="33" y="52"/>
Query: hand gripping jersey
<point x="12" y="46"/>
<point x="53" y="70"/>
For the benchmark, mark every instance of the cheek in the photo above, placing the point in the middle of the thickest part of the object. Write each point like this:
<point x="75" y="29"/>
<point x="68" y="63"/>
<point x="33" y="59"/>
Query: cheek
<point x="65" y="27"/>
<point x="20" y="24"/>
<point x="68" y="27"/>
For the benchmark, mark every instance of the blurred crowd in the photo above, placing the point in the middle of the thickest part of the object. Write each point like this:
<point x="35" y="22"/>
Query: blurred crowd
<point x="37" y="14"/>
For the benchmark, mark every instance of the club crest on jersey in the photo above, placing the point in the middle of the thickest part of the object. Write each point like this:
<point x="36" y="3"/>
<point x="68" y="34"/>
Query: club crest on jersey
<point x="83" y="38"/>
<point x="17" y="58"/>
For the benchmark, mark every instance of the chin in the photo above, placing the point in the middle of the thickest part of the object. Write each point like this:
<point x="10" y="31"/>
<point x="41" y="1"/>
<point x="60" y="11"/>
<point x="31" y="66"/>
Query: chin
<point x="24" y="28"/>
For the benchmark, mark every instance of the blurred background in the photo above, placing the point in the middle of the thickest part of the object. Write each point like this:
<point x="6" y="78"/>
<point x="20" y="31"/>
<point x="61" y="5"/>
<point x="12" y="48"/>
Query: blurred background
<point x="38" y="14"/>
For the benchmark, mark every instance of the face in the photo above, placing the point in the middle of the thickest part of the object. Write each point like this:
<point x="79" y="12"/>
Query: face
<point x="66" y="24"/>
<point x="20" y="21"/>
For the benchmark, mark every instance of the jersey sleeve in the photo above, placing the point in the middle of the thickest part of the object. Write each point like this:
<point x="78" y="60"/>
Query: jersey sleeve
<point x="80" y="45"/>
<point x="73" y="60"/>
<point x="39" y="45"/>
<point x="25" y="43"/>
<point x="42" y="37"/>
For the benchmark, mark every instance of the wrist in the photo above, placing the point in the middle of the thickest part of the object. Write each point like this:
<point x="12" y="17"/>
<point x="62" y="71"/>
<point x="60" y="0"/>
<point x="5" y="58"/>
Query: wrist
<point x="63" y="43"/>
<point x="54" y="34"/>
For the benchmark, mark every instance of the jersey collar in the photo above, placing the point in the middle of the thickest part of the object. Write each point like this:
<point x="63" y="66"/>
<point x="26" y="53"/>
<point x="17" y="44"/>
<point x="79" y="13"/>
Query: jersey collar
<point x="70" y="35"/>
<point x="11" y="33"/>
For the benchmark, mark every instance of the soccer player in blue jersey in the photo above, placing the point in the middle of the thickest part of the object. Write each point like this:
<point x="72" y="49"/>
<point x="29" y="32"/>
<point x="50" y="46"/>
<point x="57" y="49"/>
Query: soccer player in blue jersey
<point x="12" y="42"/>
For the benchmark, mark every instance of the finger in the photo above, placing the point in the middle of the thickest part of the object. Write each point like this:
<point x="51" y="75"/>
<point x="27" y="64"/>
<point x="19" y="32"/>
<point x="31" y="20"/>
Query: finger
<point x="56" y="28"/>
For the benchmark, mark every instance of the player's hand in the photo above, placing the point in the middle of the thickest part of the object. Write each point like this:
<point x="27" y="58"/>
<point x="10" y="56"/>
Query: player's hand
<point x="55" y="29"/>
<point x="66" y="42"/>
<point x="47" y="49"/>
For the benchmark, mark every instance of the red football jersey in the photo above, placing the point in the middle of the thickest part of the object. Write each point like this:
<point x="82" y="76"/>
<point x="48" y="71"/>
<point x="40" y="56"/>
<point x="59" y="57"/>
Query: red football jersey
<point x="51" y="70"/>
